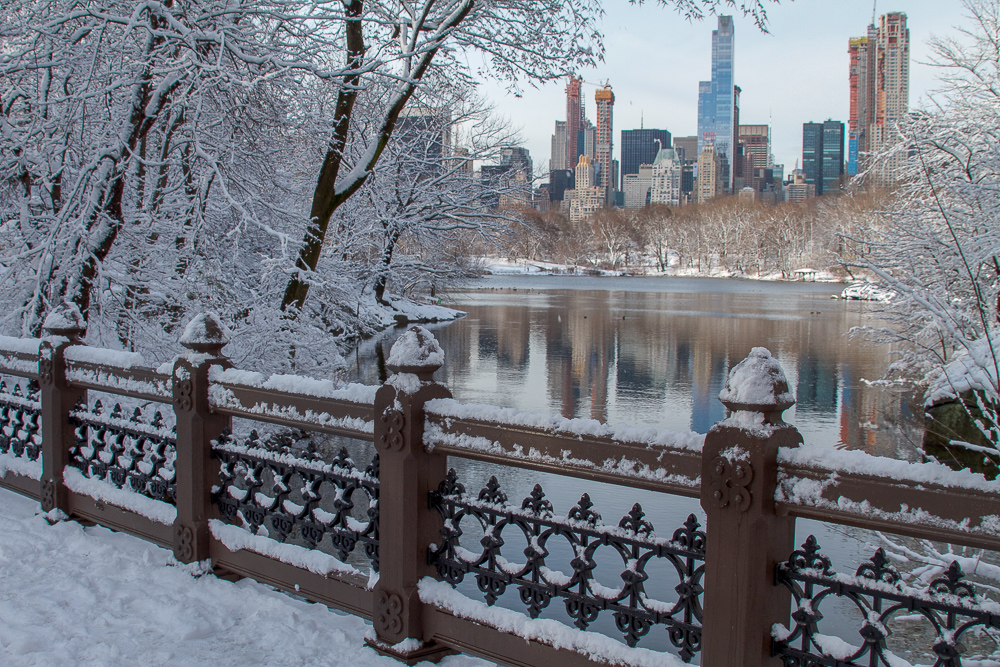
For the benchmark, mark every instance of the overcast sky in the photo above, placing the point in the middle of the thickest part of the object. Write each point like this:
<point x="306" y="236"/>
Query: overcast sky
<point x="798" y="73"/>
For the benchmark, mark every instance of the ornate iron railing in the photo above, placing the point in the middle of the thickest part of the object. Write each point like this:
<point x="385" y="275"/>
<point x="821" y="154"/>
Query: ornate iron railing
<point x="949" y="604"/>
<point x="321" y="503"/>
<point x="20" y="420"/>
<point x="633" y="540"/>
<point x="133" y="453"/>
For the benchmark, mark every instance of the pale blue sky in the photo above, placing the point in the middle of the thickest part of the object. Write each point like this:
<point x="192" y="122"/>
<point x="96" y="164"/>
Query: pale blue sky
<point x="798" y="73"/>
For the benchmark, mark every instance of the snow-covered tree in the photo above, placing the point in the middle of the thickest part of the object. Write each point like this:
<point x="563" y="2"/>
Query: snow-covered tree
<point x="159" y="158"/>
<point x="936" y="244"/>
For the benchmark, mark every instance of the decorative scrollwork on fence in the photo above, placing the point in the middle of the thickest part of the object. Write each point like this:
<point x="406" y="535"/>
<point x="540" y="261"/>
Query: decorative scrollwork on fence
<point x="949" y="604"/>
<point x="305" y="500"/>
<point x="632" y="540"/>
<point x="132" y="453"/>
<point x="20" y="420"/>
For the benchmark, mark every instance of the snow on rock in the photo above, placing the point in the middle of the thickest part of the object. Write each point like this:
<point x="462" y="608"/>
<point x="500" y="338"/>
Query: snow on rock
<point x="416" y="348"/>
<point x="64" y="318"/>
<point x="972" y="368"/>
<point x="205" y="330"/>
<point x="648" y="436"/>
<point x="93" y="597"/>
<point x="12" y="345"/>
<point x="554" y="633"/>
<point x="411" y="311"/>
<point x="102" y="357"/>
<point x="20" y="465"/>
<point x="867" y="292"/>
<point x="758" y="380"/>
<point x="235" y="538"/>
<point x="154" y="510"/>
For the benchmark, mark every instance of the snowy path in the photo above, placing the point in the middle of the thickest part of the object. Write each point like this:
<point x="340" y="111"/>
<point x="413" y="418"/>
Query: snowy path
<point x="87" y="596"/>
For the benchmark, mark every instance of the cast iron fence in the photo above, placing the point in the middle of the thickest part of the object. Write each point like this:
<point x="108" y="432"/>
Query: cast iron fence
<point x="389" y="540"/>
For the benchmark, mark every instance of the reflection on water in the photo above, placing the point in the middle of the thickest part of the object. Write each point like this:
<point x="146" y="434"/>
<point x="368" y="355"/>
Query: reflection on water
<point x="656" y="352"/>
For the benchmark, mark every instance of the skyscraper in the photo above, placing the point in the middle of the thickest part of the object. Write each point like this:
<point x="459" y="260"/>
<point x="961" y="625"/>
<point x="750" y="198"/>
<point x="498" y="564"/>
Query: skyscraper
<point x="639" y="147"/>
<point x="558" y="159"/>
<point x="605" y="139"/>
<point x="717" y="98"/>
<point x="823" y="155"/>
<point x="833" y="156"/>
<point x="812" y="155"/>
<point x="574" y="115"/>
<point x="880" y="90"/>
<point x="757" y="140"/>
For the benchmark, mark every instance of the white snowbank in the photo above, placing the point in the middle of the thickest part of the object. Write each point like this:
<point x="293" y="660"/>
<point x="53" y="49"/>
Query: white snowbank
<point x="422" y="312"/>
<point x="93" y="597"/>
<point x="547" y="631"/>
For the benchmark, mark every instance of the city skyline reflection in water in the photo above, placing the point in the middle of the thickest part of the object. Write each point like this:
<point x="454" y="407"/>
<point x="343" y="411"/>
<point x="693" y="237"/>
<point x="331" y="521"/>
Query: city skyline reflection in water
<point x="657" y="351"/>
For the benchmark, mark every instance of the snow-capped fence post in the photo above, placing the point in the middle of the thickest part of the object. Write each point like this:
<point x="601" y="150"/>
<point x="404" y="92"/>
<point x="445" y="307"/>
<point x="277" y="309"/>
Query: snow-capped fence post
<point x="407" y="475"/>
<point x="197" y="427"/>
<point x="746" y="539"/>
<point x="63" y="327"/>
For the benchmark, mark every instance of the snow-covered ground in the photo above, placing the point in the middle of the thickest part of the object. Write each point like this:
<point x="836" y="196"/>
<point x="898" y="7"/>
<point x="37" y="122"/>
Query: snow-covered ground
<point x="71" y="595"/>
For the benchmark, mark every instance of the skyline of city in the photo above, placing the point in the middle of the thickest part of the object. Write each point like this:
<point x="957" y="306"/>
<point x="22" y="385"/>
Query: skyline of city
<point x="788" y="83"/>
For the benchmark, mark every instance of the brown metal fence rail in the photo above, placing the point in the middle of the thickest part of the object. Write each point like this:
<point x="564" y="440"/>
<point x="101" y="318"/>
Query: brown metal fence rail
<point x="385" y="542"/>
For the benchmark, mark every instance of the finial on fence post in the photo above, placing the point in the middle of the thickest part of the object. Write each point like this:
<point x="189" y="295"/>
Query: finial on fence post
<point x="407" y="475"/>
<point x="197" y="426"/>
<point x="758" y="384"/>
<point x="205" y="333"/>
<point x="745" y="538"/>
<point x="65" y="320"/>
<point x="418" y="352"/>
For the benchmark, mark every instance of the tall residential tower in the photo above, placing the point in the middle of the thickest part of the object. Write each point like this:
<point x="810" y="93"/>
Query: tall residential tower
<point x="717" y="100"/>
<point x="880" y="91"/>
<point x="605" y="140"/>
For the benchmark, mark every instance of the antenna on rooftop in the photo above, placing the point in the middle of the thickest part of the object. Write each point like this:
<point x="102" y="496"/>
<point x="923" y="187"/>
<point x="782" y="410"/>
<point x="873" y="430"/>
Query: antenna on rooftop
<point x="874" y="11"/>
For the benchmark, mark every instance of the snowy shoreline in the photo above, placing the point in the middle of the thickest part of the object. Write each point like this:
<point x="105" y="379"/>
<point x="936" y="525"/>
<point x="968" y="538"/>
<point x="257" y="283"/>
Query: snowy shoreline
<point x="493" y="266"/>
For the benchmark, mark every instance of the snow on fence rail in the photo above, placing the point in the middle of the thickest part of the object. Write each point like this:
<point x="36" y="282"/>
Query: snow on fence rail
<point x="386" y="541"/>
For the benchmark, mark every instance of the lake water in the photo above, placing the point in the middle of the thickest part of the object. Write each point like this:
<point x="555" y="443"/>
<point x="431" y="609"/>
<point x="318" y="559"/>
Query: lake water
<point x="656" y="352"/>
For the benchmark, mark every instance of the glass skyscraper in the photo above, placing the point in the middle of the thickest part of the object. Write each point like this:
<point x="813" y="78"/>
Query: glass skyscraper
<point x="639" y="147"/>
<point x="717" y="98"/>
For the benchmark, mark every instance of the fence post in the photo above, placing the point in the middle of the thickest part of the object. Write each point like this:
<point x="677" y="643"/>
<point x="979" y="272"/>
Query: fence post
<point x="64" y="326"/>
<point x="745" y="538"/>
<point x="197" y="427"/>
<point x="407" y="474"/>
